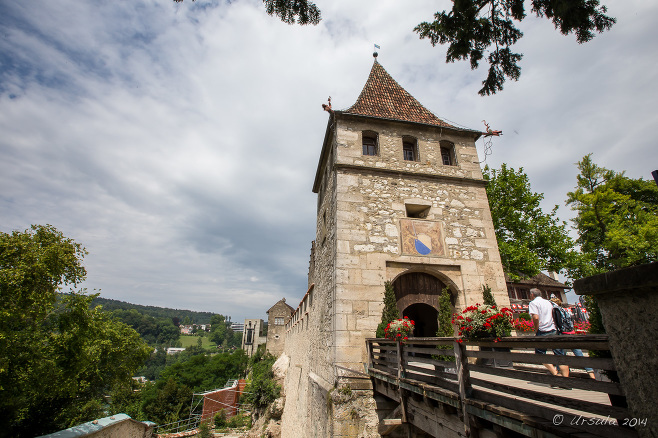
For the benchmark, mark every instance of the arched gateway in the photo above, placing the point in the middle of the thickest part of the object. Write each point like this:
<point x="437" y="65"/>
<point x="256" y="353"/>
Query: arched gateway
<point x="417" y="296"/>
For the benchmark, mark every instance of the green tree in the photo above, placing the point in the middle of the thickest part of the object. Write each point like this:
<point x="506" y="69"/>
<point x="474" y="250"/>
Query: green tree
<point x="57" y="358"/>
<point x="529" y="240"/>
<point x="222" y="334"/>
<point x="617" y="218"/>
<point x="445" y="323"/>
<point x="475" y="27"/>
<point x="291" y="11"/>
<point x="390" y="312"/>
<point x="154" y="331"/>
<point x="487" y="296"/>
<point x="165" y="402"/>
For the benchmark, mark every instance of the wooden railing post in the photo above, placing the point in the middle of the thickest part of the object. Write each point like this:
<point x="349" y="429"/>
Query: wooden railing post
<point x="463" y="377"/>
<point x="403" y="400"/>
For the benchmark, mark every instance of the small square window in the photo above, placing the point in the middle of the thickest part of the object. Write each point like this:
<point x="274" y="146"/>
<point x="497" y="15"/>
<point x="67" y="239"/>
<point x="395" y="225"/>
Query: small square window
<point x="278" y="321"/>
<point x="369" y="146"/>
<point x="448" y="154"/>
<point x="409" y="151"/>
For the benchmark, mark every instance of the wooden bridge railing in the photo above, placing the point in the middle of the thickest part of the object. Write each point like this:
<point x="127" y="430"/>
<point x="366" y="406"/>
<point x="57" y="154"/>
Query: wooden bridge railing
<point x="505" y="383"/>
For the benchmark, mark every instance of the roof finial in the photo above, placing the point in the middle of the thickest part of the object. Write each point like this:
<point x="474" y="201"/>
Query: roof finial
<point x="327" y="106"/>
<point x="375" y="54"/>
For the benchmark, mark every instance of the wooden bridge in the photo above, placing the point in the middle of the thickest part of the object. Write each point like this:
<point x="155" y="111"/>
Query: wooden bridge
<point x="443" y="388"/>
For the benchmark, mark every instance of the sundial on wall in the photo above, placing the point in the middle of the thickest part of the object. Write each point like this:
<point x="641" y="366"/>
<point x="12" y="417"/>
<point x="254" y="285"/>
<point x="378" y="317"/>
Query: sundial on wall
<point x="421" y="237"/>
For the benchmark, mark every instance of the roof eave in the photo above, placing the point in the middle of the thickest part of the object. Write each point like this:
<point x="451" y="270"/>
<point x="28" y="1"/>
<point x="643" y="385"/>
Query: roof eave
<point x="325" y="150"/>
<point x="477" y="134"/>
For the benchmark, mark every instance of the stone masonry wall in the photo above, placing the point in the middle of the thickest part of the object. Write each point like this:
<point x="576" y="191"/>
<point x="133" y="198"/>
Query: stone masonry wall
<point x="276" y="333"/>
<point x="371" y="195"/>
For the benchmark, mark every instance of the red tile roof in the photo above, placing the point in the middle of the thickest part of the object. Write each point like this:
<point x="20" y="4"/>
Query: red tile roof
<point x="383" y="97"/>
<point x="540" y="279"/>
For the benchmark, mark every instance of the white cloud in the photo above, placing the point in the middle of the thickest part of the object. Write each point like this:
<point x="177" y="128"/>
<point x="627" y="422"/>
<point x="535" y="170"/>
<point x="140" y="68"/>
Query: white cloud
<point x="178" y="142"/>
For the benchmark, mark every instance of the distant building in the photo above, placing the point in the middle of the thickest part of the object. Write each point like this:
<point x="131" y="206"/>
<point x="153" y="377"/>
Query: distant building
<point x="186" y="329"/>
<point x="519" y="290"/>
<point x="237" y="327"/>
<point x="253" y="335"/>
<point x="118" y="425"/>
<point x="277" y="317"/>
<point x="174" y="350"/>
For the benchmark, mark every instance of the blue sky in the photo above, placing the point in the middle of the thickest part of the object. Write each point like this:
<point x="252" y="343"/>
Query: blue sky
<point x="178" y="141"/>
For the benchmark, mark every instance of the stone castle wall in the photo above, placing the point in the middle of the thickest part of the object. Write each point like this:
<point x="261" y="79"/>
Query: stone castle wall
<point x="310" y="342"/>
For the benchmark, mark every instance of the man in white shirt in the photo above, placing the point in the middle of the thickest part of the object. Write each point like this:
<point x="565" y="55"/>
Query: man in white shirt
<point x="541" y="311"/>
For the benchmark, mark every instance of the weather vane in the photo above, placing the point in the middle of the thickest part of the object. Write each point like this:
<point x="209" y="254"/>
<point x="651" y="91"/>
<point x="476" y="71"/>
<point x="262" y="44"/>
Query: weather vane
<point x="375" y="51"/>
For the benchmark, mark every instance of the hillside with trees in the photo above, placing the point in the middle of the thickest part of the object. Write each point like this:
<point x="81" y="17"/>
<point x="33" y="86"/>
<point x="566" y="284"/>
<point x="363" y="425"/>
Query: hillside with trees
<point x="178" y="316"/>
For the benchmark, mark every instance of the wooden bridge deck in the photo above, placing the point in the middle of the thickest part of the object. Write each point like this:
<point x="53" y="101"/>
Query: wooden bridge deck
<point x="483" y="388"/>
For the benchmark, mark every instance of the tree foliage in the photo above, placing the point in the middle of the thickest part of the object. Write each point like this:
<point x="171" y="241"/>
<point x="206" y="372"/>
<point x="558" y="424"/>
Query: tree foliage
<point x="474" y="28"/>
<point x="291" y="11"/>
<point x="222" y="334"/>
<point x="57" y="358"/>
<point x="170" y="397"/>
<point x="617" y="218"/>
<point x="487" y="296"/>
<point x="176" y="315"/>
<point x="261" y="389"/>
<point x="390" y="312"/>
<point x="529" y="240"/>
<point x="153" y="331"/>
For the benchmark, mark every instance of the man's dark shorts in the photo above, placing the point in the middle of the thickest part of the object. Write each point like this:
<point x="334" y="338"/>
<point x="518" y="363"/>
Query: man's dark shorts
<point x="556" y="351"/>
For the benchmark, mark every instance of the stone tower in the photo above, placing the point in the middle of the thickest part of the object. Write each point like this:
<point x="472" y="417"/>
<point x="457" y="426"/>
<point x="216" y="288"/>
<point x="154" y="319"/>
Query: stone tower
<point x="277" y="315"/>
<point x="400" y="198"/>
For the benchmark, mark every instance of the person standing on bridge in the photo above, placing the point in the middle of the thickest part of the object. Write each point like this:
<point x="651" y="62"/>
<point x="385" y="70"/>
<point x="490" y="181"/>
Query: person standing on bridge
<point x="568" y="329"/>
<point x="541" y="311"/>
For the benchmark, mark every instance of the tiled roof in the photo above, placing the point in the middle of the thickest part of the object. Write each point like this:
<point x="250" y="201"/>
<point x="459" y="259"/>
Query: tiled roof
<point x="540" y="279"/>
<point x="383" y="97"/>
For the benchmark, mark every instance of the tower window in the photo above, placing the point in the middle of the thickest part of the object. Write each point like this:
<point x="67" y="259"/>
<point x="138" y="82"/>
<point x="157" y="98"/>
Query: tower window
<point x="369" y="143"/>
<point x="417" y="211"/>
<point x="409" y="149"/>
<point x="448" y="154"/>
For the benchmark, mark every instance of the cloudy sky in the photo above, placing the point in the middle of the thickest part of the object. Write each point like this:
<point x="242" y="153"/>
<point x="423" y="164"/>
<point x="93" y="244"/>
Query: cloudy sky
<point x="178" y="141"/>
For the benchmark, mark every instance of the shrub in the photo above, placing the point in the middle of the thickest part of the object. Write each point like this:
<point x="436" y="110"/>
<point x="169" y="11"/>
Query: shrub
<point x="525" y="316"/>
<point x="445" y="324"/>
<point x="220" y="419"/>
<point x="487" y="296"/>
<point x="204" y="431"/>
<point x="390" y="312"/>
<point x="262" y="389"/>
<point x="240" y="421"/>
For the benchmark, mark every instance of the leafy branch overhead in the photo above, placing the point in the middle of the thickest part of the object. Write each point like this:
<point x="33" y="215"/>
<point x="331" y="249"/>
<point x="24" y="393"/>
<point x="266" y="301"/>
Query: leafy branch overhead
<point x="291" y="11"/>
<point x="475" y="27"/>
